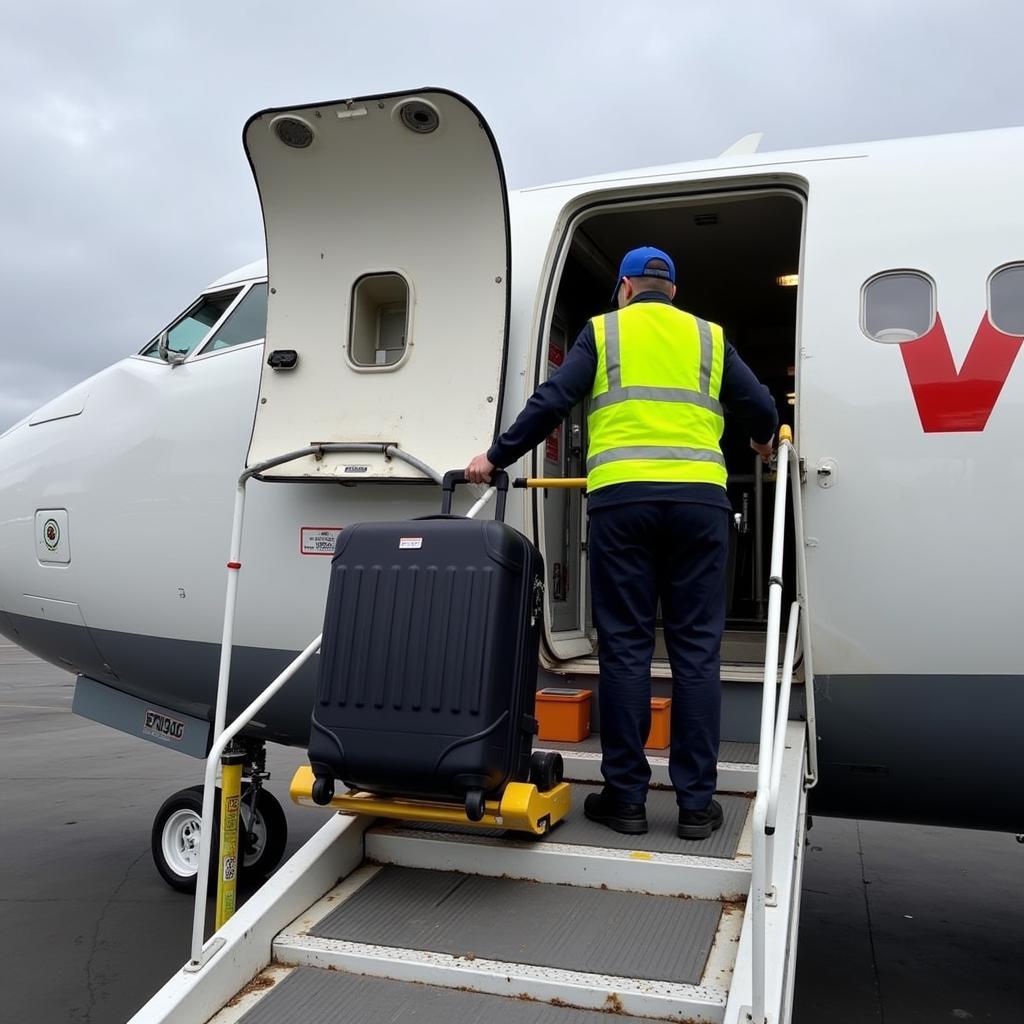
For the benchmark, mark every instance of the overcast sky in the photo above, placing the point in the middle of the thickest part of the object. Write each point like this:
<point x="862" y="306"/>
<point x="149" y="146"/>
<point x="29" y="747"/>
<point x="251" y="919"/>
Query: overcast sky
<point x="124" y="188"/>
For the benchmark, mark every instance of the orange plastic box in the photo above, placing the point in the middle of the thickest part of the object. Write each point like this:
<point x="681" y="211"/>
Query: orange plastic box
<point x="563" y="715"/>
<point x="661" y="723"/>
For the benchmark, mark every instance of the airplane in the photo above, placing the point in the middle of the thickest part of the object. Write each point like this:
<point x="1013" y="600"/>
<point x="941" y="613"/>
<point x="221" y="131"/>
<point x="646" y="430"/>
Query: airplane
<point x="409" y="307"/>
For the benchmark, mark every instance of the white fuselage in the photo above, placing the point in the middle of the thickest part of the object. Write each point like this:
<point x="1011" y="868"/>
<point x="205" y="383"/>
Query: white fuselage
<point x="913" y="565"/>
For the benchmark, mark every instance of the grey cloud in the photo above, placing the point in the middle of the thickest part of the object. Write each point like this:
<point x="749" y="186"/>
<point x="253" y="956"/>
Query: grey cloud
<point x="124" y="188"/>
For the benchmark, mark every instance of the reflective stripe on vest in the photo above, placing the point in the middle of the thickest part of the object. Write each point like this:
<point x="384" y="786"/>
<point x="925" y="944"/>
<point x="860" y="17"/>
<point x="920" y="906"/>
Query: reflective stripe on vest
<point x="655" y="413"/>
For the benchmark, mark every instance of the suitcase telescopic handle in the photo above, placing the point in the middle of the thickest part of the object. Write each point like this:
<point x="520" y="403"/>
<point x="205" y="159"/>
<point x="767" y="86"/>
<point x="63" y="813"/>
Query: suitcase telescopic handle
<point x="499" y="480"/>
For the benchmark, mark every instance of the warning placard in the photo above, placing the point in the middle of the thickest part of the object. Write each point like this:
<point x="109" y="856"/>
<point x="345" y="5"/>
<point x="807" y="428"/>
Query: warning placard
<point x="318" y="540"/>
<point x="553" y="446"/>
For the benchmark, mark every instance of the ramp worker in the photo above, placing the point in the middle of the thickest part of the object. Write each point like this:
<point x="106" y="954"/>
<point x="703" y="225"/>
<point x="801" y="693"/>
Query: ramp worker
<point x="659" y="381"/>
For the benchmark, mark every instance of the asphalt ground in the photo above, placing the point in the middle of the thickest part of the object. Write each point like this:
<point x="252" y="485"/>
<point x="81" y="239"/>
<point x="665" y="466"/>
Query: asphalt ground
<point x="900" y="924"/>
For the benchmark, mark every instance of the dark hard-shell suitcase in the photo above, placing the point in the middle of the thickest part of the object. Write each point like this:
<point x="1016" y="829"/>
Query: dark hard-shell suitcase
<point x="428" y="661"/>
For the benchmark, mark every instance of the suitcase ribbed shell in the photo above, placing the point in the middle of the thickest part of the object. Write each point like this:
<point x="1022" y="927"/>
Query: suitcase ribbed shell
<point x="428" y="662"/>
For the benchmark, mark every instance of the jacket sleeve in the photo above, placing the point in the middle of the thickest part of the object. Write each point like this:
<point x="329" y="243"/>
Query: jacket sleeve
<point x="745" y="397"/>
<point x="550" y="403"/>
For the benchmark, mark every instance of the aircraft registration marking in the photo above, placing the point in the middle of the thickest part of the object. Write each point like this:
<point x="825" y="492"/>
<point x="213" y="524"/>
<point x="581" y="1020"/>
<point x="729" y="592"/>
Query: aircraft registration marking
<point x="163" y="726"/>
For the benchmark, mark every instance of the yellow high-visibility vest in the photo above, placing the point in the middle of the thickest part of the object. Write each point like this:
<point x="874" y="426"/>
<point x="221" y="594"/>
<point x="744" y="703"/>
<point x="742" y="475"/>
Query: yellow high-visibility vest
<point x="654" y="408"/>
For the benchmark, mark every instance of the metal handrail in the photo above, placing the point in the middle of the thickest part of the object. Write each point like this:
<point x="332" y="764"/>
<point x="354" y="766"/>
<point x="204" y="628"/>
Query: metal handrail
<point x="800" y="557"/>
<point x="222" y="736"/>
<point x="209" y="787"/>
<point x="392" y="451"/>
<point x="775" y="713"/>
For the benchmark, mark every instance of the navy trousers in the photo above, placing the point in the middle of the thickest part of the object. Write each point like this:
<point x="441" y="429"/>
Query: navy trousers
<point x="640" y="552"/>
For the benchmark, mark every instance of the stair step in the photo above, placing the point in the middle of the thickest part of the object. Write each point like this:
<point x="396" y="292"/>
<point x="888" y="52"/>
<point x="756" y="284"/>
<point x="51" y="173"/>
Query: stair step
<point x="583" y="947"/>
<point x="578" y="852"/>
<point x="319" y="997"/>
<point x="737" y="766"/>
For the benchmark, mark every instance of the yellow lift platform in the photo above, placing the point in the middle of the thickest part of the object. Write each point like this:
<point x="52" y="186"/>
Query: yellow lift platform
<point x="522" y="807"/>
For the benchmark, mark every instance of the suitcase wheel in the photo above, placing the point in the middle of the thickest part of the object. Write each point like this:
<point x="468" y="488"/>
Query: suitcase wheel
<point x="323" y="790"/>
<point x="475" y="804"/>
<point x="546" y="769"/>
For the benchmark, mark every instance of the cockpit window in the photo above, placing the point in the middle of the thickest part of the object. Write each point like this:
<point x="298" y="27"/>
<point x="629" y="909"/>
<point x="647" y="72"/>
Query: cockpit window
<point x="189" y="330"/>
<point x="248" y="321"/>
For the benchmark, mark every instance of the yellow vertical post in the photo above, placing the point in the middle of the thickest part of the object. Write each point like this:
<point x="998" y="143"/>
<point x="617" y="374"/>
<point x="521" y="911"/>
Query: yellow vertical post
<point x="227" y="862"/>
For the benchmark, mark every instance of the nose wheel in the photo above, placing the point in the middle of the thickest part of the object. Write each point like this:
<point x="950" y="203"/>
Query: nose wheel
<point x="177" y="834"/>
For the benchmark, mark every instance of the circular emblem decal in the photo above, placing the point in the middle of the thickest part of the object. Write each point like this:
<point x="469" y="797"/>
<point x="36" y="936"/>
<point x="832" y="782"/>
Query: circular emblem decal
<point x="51" y="534"/>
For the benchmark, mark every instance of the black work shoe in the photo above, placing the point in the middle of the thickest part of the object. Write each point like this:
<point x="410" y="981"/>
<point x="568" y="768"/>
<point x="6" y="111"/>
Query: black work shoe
<point x="700" y="824"/>
<point x="630" y="819"/>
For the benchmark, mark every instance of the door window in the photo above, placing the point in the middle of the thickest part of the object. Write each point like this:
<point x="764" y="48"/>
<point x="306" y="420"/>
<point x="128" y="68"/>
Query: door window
<point x="380" y="321"/>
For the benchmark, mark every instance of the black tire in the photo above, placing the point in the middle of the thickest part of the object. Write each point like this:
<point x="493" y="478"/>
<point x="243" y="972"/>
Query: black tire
<point x="265" y="838"/>
<point x="546" y="769"/>
<point x="174" y="840"/>
<point x="475" y="804"/>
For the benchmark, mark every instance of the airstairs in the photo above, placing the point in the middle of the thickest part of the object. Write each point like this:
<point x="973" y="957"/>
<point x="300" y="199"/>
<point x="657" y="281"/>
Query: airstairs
<point x="442" y="923"/>
<point x="401" y="920"/>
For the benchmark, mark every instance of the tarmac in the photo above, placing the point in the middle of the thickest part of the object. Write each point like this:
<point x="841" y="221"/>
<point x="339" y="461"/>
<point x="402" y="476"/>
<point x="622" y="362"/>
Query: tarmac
<point x="900" y="924"/>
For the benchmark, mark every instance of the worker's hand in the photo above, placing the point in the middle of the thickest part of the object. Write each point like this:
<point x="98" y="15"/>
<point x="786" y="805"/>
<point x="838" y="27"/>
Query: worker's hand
<point x="764" y="450"/>
<point x="480" y="469"/>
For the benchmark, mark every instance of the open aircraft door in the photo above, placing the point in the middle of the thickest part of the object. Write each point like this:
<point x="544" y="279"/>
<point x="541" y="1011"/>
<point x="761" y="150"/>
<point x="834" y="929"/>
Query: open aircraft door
<point x="388" y="255"/>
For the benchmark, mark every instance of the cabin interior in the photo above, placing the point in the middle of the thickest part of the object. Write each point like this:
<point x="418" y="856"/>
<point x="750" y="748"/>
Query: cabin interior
<point x="733" y="254"/>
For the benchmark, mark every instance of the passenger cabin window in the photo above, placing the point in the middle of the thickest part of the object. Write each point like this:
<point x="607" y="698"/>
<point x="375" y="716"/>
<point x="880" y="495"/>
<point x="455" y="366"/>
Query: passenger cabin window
<point x="248" y="321"/>
<point x="1006" y="300"/>
<point x="380" y="322"/>
<point x="189" y="330"/>
<point x="898" y="306"/>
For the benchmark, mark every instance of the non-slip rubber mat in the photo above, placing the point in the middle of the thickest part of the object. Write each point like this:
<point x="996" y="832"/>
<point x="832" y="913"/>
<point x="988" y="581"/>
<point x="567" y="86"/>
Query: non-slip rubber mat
<point x="560" y="926"/>
<point x="662" y="818"/>
<point x="315" y="996"/>
<point x="738" y="753"/>
<point x="730" y="750"/>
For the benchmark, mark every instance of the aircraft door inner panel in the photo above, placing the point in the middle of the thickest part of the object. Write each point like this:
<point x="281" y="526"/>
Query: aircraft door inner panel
<point x="388" y="260"/>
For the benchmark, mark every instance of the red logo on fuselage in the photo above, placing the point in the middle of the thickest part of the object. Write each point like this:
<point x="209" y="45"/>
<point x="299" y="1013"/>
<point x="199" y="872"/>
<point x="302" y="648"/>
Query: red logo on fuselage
<point x="948" y="401"/>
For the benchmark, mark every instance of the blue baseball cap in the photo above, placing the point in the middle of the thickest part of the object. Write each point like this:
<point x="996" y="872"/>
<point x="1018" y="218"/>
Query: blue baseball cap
<point x="635" y="264"/>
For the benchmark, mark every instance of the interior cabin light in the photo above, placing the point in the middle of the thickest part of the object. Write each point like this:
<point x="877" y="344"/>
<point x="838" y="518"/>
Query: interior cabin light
<point x="787" y="280"/>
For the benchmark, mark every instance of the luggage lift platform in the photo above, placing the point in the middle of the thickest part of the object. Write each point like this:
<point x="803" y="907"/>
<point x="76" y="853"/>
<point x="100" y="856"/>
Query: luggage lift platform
<point x="522" y="807"/>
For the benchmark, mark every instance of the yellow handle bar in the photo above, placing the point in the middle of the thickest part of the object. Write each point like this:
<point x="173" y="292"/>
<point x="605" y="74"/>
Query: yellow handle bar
<point x="552" y="482"/>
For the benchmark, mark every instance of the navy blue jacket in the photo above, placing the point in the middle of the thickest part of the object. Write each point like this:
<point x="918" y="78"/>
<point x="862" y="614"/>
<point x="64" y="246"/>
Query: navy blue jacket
<point x="742" y="395"/>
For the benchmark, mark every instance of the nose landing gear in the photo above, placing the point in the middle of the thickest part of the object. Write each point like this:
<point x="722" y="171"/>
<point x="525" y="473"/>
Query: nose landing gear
<point x="176" y="830"/>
